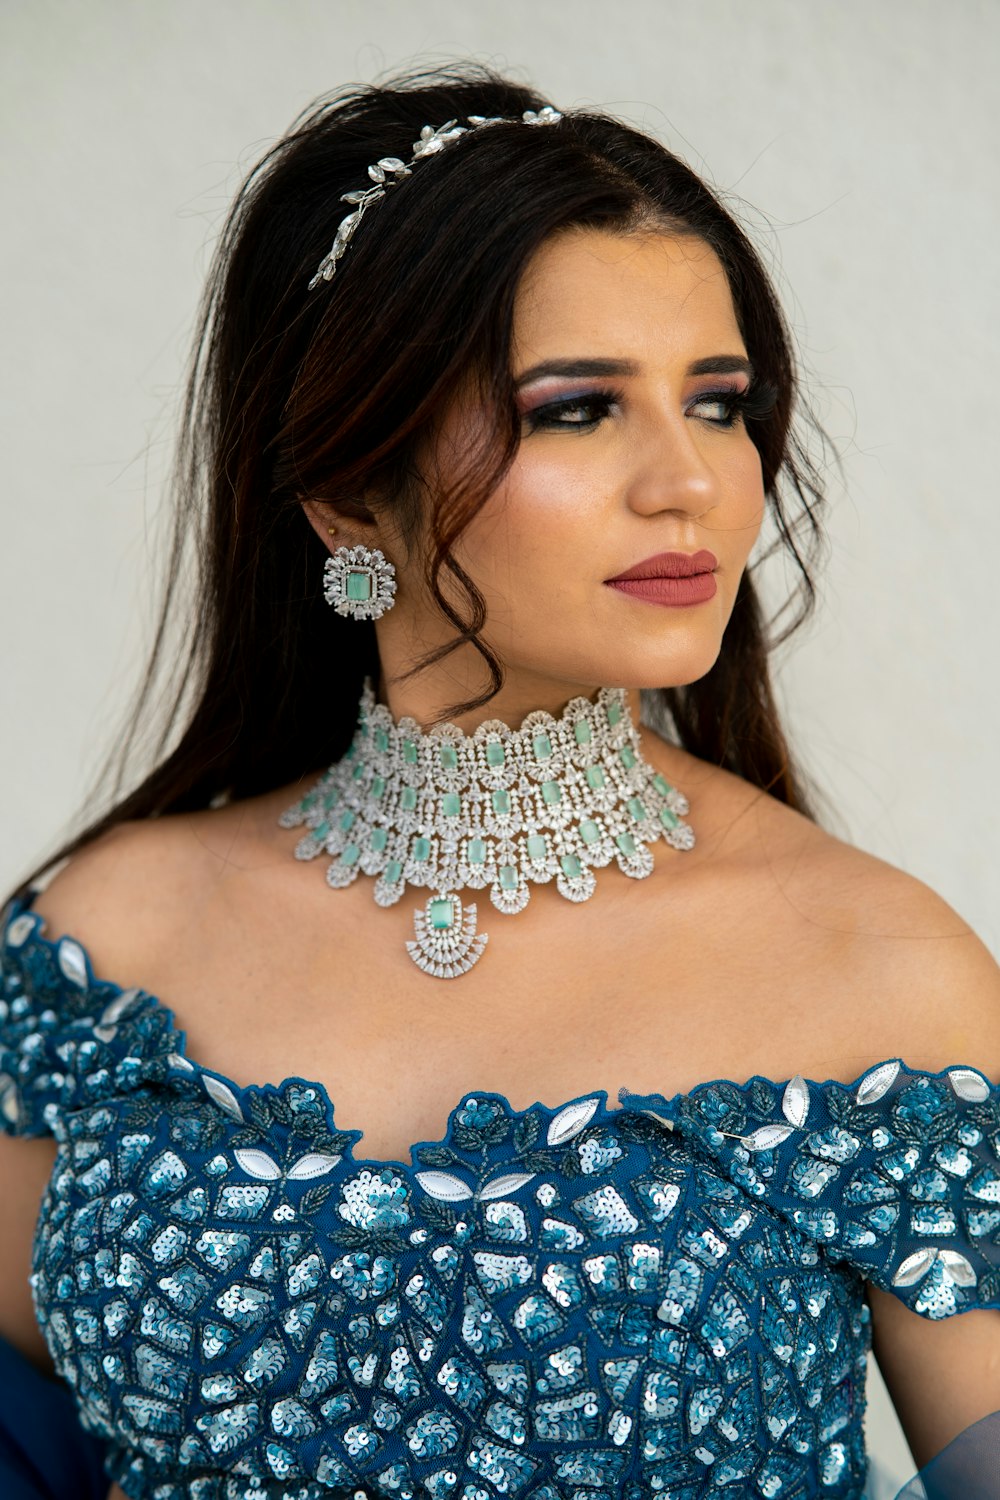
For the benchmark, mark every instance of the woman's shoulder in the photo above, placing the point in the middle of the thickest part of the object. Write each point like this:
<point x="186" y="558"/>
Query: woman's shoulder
<point x="129" y="891"/>
<point x="920" y="970"/>
<point x="882" y="954"/>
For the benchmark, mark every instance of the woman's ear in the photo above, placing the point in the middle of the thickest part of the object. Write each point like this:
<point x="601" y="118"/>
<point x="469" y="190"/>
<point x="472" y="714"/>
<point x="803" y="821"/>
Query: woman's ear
<point x="338" y="529"/>
<point x="323" y="520"/>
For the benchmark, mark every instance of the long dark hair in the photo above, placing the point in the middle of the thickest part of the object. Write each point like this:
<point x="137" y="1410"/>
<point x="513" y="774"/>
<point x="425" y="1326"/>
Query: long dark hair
<point x="331" y="393"/>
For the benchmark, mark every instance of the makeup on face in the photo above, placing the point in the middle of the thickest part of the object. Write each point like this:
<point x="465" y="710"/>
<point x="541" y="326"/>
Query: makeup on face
<point x="670" y="578"/>
<point x="552" y="394"/>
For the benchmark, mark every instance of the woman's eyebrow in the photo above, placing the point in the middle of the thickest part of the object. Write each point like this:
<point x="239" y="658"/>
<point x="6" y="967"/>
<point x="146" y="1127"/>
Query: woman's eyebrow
<point x="715" y="364"/>
<point x="578" y="367"/>
<point x="722" y="364"/>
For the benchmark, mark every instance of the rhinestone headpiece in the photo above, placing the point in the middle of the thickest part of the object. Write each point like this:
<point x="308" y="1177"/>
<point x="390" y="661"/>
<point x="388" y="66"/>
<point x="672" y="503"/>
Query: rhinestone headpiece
<point x="389" y="170"/>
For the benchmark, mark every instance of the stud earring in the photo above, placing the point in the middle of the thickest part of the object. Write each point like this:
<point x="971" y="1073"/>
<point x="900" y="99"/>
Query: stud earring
<point x="358" y="582"/>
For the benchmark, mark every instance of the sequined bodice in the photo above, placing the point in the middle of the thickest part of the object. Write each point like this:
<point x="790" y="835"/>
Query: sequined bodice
<point x="556" y="1303"/>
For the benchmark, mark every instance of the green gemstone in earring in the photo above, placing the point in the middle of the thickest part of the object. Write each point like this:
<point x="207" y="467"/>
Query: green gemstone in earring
<point x="359" y="585"/>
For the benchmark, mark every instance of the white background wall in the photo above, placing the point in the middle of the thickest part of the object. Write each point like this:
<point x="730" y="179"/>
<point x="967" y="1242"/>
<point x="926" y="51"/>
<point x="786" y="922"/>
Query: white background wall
<point x="862" y="136"/>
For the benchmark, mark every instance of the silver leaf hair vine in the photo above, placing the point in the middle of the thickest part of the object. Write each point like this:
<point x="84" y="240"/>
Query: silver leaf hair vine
<point x="390" y="170"/>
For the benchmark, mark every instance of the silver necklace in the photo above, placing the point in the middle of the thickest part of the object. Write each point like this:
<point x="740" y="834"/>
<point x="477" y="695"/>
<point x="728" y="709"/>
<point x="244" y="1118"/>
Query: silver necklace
<point x="501" y="807"/>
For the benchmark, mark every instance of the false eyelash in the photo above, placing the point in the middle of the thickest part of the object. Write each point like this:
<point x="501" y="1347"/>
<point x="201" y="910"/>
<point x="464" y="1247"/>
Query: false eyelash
<point x="546" y="415"/>
<point x="757" y="401"/>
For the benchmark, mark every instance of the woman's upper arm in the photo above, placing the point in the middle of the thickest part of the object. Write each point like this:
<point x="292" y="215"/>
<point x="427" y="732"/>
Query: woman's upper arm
<point x="942" y="1374"/>
<point x="25" y="1168"/>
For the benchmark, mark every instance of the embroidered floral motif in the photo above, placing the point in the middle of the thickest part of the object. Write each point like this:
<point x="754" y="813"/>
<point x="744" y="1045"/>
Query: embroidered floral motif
<point x="554" y="1304"/>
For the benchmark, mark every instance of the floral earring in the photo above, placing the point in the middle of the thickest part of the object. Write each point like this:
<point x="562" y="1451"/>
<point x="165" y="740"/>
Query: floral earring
<point x="358" y="582"/>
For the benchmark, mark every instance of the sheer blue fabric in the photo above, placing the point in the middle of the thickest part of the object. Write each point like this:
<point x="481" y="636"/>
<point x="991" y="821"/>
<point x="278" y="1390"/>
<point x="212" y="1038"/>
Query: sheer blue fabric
<point x="560" y="1303"/>
<point x="969" y="1468"/>
<point x="44" y="1452"/>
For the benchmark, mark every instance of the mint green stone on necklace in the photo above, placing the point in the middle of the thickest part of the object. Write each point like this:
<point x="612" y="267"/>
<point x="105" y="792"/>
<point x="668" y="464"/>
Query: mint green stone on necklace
<point x="499" y="810"/>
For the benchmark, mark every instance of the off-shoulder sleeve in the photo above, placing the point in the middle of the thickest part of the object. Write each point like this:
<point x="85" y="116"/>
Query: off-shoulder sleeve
<point x="67" y="1039"/>
<point x="898" y="1173"/>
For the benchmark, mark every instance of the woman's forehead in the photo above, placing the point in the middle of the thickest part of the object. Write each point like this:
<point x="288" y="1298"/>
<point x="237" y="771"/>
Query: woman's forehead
<point x="595" y="288"/>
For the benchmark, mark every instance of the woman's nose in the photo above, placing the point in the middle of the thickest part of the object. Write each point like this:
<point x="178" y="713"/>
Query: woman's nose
<point x="672" y="472"/>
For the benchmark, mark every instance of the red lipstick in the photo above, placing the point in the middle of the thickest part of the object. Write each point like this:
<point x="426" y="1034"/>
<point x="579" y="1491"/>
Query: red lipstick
<point x="670" y="578"/>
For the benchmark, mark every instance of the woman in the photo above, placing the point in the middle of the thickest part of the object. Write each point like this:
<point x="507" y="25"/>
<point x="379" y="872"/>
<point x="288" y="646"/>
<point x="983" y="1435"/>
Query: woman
<point x="485" y="443"/>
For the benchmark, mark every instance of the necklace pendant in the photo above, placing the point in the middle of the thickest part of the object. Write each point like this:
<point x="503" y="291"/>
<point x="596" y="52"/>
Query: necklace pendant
<point x="447" y="943"/>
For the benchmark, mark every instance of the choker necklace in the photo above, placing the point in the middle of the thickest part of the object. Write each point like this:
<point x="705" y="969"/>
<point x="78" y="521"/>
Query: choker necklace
<point x="500" y="807"/>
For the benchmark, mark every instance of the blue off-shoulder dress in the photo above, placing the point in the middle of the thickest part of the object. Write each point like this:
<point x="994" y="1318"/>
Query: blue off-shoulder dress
<point x="556" y="1303"/>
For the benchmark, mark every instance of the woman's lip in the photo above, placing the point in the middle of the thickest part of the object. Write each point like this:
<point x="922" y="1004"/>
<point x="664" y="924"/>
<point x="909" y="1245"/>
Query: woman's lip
<point x="696" y="588"/>
<point x="670" y="565"/>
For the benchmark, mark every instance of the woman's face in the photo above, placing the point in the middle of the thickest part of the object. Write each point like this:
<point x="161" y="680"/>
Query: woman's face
<point x="630" y="365"/>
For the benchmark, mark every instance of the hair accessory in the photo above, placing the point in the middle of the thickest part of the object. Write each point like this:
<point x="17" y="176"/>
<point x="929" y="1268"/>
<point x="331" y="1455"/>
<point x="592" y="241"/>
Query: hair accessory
<point x="359" y="582"/>
<point x="502" y="808"/>
<point x="390" y="170"/>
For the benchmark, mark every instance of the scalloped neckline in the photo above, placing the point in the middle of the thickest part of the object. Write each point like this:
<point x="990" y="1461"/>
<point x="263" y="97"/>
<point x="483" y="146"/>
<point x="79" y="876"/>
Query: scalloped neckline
<point x="629" y="1100"/>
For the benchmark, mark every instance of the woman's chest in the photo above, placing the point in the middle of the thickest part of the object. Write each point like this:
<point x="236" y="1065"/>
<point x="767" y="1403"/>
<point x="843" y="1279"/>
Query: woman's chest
<point x="637" y="990"/>
<point x="555" y="1298"/>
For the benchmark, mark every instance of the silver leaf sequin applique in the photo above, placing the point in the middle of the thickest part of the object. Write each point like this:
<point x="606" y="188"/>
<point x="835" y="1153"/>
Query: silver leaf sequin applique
<point x="570" y="1121"/>
<point x="257" y="1164"/>
<point x="968" y="1084"/>
<point x="444" y="1185"/>
<point x="499" y="1187"/>
<point x="877" y="1083"/>
<point x="223" y="1096"/>
<point x="72" y="962"/>
<point x="795" y="1101"/>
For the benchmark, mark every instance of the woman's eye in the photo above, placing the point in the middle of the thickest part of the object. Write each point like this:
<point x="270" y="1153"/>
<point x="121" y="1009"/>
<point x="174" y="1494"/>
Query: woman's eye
<point x="576" y="412"/>
<point x="721" y="407"/>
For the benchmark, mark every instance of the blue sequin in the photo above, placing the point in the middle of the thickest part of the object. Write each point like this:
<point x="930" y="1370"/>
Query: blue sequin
<point x="556" y="1304"/>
